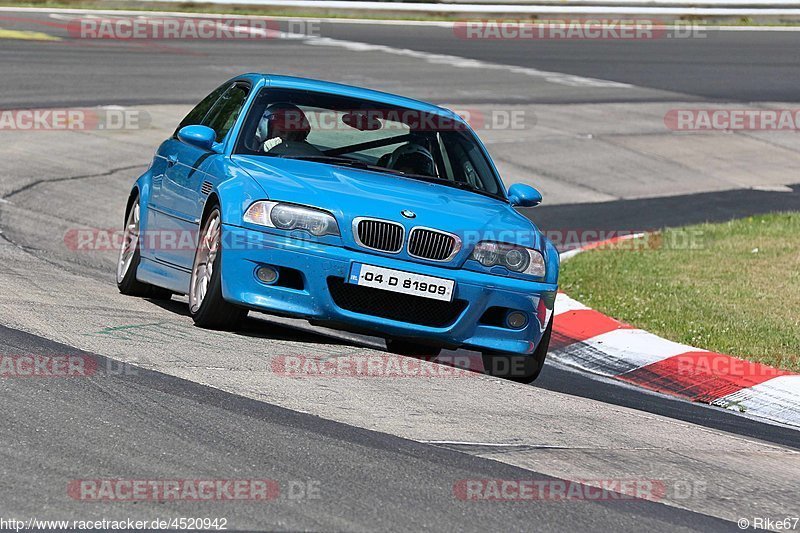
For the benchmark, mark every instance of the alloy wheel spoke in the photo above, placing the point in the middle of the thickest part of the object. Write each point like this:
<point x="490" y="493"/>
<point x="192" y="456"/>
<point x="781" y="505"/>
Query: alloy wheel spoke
<point x="204" y="261"/>
<point x="129" y="243"/>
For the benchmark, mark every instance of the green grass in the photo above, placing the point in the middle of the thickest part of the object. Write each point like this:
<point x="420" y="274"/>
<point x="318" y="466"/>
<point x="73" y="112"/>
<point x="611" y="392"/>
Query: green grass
<point x="732" y="288"/>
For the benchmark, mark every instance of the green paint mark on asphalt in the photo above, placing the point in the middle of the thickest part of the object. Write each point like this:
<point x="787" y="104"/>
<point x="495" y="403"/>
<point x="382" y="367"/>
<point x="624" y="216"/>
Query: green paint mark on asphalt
<point x="154" y="332"/>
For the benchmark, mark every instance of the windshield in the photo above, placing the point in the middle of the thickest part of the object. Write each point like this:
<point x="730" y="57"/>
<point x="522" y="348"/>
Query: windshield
<point x="367" y="135"/>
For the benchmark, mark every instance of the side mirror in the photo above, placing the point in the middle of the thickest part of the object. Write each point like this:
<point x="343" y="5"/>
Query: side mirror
<point x="202" y="137"/>
<point x="522" y="195"/>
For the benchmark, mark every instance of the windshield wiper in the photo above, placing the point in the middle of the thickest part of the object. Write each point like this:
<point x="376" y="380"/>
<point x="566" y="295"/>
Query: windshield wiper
<point x="323" y="158"/>
<point x="344" y="161"/>
<point x="356" y="163"/>
<point x="456" y="184"/>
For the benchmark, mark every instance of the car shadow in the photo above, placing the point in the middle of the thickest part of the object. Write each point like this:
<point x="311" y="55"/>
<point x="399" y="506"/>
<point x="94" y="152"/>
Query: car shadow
<point x="262" y="326"/>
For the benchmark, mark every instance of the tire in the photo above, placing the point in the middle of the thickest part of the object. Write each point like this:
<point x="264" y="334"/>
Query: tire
<point x="206" y="305"/>
<point x="129" y="258"/>
<point x="403" y="347"/>
<point x="519" y="368"/>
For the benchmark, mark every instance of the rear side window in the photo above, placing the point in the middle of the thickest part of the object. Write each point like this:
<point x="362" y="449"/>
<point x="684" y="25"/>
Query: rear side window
<point x="227" y="109"/>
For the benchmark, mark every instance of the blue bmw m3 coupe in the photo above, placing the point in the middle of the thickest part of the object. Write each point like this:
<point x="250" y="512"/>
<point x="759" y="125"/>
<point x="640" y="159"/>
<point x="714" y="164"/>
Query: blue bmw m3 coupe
<point x="347" y="207"/>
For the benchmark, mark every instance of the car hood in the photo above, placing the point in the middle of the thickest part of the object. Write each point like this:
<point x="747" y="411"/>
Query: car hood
<point x="349" y="193"/>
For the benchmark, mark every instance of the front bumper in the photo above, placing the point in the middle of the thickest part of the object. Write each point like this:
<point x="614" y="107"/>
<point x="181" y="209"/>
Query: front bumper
<point x="321" y="264"/>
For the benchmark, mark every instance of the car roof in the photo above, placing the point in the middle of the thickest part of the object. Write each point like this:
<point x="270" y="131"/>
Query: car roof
<point x="340" y="89"/>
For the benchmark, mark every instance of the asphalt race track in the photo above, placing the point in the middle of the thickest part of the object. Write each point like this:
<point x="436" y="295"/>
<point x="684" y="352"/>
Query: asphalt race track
<point x="718" y="66"/>
<point x="380" y="453"/>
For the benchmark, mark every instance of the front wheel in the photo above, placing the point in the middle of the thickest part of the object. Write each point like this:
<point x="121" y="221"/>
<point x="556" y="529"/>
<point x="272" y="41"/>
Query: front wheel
<point x="129" y="258"/>
<point x="519" y="368"/>
<point x="206" y="305"/>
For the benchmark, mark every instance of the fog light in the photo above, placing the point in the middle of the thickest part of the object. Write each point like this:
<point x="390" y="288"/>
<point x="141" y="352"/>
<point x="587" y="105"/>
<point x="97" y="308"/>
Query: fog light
<point x="516" y="320"/>
<point x="267" y="274"/>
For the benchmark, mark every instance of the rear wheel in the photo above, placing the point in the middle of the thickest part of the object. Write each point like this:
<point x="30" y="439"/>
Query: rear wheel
<point x="129" y="258"/>
<point x="206" y="305"/>
<point x="519" y="368"/>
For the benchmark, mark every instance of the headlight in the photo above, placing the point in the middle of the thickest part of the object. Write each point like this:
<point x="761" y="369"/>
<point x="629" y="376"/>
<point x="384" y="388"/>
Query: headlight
<point x="292" y="217"/>
<point x="515" y="258"/>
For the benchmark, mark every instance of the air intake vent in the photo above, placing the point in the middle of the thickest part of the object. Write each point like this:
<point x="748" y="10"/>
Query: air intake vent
<point x="400" y="307"/>
<point x="433" y="245"/>
<point x="379" y="234"/>
<point x="206" y="188"/>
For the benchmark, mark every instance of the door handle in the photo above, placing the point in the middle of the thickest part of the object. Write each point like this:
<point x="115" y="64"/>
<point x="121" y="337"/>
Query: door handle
<point x="172" y="160"/>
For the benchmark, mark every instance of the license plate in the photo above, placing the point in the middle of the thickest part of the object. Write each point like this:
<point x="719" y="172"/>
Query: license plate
<point x="392" y="280"/>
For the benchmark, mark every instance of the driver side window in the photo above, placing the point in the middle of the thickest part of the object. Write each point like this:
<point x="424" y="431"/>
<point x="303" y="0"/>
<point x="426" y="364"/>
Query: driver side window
<point x="196" y="115"/>
<point x="224" y="114"/>
<point x="219" y="110"/>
